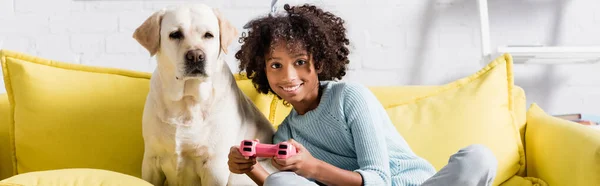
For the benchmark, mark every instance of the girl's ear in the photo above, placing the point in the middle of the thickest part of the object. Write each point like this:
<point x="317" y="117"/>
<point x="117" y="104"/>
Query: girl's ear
<point x="319" y="68"/>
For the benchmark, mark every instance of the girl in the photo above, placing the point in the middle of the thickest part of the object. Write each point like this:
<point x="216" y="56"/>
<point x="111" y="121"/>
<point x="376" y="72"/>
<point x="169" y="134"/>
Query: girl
<point x="342" y="132"/>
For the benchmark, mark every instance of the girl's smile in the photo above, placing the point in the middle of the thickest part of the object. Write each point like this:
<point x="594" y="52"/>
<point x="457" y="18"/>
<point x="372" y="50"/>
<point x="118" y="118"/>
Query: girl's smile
<point x="291" y="89"/>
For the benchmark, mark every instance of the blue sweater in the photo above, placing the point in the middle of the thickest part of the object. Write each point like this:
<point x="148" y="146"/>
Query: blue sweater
<point x="351" y="130"/>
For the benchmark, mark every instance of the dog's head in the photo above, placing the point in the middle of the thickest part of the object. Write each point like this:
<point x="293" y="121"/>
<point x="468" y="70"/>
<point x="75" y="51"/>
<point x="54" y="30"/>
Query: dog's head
<point x="187" y="40"/>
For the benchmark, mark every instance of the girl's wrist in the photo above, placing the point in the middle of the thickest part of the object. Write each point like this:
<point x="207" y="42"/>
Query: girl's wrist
<point x="256" y="168"/>
<point x="258" y="174"/>
<point x="318" y="166"/>
<point x="331" y="175"/>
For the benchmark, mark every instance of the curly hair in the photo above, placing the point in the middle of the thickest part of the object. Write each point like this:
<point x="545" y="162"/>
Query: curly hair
<point x="320" y="33"/>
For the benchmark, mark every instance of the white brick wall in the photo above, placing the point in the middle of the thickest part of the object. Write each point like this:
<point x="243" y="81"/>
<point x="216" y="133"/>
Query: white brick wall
<point x="410" y="42"/>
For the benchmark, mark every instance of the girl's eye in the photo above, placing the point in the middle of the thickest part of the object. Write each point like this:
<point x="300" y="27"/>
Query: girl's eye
<point x="300" y="62"/>
<point x="276" y="65"/>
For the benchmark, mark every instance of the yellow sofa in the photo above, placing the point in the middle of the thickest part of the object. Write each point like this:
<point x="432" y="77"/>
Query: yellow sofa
<point x="71" y="124"/>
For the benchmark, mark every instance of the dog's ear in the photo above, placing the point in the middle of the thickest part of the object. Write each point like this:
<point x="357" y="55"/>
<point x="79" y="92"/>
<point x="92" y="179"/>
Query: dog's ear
<point x="227" y="31"/>
<point x="148" y="34"/>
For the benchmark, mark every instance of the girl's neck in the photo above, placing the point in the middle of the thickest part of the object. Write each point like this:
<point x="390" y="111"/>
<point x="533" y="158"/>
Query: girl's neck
<point x="310" y="103"/>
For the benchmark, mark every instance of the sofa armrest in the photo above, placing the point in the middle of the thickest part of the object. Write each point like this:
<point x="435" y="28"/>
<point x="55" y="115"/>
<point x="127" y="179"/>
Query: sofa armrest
<point x="561" y="152"/>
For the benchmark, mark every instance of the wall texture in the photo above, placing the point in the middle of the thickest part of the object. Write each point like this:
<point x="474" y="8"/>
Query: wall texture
<point x="409" y="42"/>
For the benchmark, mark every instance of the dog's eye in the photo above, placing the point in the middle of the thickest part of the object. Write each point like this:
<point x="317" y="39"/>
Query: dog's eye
<point x="208" y="35"/>
<point x="176" y="35"/>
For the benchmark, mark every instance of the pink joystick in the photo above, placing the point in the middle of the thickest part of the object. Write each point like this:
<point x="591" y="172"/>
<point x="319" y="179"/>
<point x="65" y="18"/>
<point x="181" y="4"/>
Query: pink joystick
<point x="282" y="150"/>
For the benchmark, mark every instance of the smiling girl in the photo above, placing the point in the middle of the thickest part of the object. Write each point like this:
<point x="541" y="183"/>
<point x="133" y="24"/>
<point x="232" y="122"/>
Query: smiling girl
<point x="342" y="133"/>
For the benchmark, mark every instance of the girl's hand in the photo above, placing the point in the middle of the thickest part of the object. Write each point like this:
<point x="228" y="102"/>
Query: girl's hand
<point x="239" y="164"/>
<point x="303" y="163"/>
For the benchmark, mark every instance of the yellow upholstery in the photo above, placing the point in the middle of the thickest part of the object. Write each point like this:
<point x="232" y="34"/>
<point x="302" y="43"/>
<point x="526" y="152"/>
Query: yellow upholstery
<point x="6" y="164"/>
<point x="524" y="181"/>
<point x="561" y="152"/>
<point x="520" y="112"/>
<point x="75" y="177"/>
<point x="63" y="117"/>
<point x="475" y="109"/>
<point x="76" y="116"/>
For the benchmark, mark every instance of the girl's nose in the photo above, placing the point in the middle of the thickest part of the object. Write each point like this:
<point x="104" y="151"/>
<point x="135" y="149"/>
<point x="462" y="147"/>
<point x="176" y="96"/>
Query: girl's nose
<point x="290" y="73"/>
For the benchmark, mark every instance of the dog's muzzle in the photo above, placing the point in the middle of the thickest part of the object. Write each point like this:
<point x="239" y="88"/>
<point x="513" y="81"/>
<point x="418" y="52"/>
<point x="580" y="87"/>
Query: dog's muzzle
<point x="194" y="62"/>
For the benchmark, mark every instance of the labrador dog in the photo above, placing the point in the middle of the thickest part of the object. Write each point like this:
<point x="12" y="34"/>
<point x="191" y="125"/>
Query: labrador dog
<point x="194" y="110"/>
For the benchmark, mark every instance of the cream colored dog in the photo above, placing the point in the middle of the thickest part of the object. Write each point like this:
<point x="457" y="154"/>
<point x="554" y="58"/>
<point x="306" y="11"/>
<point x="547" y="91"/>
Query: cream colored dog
<point x="194" y="111"/>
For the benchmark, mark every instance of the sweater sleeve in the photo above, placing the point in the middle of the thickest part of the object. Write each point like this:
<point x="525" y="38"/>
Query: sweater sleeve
<point x="363" y="113"/>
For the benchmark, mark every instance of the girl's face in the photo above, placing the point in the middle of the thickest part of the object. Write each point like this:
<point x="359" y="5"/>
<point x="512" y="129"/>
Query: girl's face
<point x="292" y="75"/>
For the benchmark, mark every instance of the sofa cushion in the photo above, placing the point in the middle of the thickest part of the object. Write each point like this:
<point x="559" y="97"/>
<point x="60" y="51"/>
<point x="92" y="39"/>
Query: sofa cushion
<point x="477" y="109"/>
<point x="74" y="177"/>
<point x="520" y="105"/>
<point x="69" y="116"/>
<point x="560" y="151"/>
<point x="65" y="115"/>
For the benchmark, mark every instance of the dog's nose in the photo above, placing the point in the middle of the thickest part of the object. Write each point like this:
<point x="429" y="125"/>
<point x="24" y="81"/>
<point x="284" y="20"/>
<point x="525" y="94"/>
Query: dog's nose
<point x="195" y="56"/>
